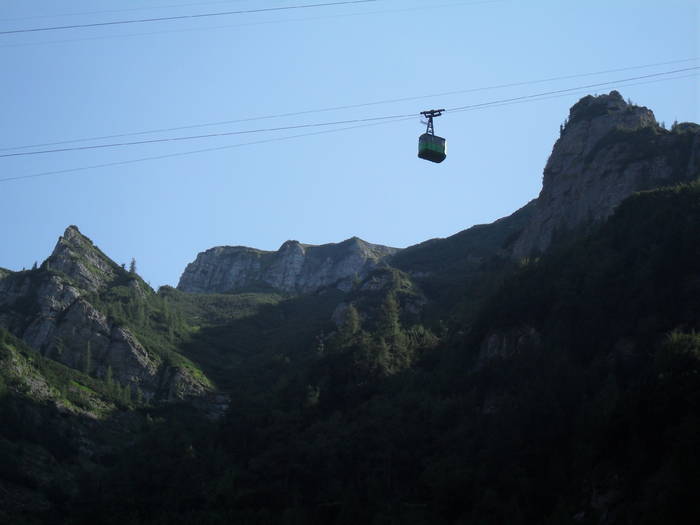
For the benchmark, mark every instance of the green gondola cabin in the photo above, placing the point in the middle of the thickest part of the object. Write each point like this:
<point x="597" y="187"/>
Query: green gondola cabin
<point x="430" y="146"/>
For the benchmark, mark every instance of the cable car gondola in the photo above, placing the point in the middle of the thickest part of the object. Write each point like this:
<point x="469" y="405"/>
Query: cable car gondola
<point x="430" y="146"/>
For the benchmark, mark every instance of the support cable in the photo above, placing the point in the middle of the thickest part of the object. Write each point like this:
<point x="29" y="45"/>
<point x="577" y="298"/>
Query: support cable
<point x="599" y="84"/>
<point x="346" y="106"/>
<point x="353" y="121"/>
<point x="257" y="23"/>
<point x="193" y="152"/>
<point x="183" y="17"/>
<point x="279" y="139"/>
<point x="110" y="11"/>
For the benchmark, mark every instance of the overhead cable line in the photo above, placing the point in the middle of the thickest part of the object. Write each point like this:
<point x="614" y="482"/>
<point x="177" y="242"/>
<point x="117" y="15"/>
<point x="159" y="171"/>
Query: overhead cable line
<point x="185" y="17"/>
<point x="290" y="137"/>
<point x="110" y="11"/>
<point x="209" y="135"/>
<point x="599" y="84"/>
<point x="192" y="152"/>
<point x="353" y="121"/>
<point x="257" y="23"/>
<point x="347" y="106"/>
<point x="510" y="102"/>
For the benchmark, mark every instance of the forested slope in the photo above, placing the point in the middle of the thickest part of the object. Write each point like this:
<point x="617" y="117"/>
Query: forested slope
<point x="573" y="399"/>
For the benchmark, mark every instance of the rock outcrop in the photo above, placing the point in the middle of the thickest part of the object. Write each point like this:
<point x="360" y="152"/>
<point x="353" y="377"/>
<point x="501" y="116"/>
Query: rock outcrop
<point x="77" y="257"/>
<point x="608" y="150"/>
<point x="294" y="268"/>
<point x="51" y="308"/>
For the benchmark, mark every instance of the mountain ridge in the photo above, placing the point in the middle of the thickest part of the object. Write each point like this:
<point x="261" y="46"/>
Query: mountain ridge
<point x="294" y="268"/>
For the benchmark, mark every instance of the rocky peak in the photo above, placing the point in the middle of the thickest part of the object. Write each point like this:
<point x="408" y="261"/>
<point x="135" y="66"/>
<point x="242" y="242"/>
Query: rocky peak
<point x="355" y="243"/>
<point x="612" y="104"/>
<point x="590" y="120"/>
<point x="607" y="150"/>
<point x="72" y="239"/>
<point x="76" y="256"/>
<point x="294" y="268"/>
<point x="292" y="247"/>
<point x="72" y="232"/>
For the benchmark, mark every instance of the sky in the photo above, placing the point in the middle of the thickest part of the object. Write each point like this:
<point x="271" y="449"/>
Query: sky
<point x="330" y="184"/>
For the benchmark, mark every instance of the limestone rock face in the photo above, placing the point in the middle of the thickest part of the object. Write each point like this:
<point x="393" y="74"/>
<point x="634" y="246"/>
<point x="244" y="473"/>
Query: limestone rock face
<point x="294" y="268"/>
<point x="50" y="308"/>
<point x="608" y="150"/>
<point x="81" y="337"/>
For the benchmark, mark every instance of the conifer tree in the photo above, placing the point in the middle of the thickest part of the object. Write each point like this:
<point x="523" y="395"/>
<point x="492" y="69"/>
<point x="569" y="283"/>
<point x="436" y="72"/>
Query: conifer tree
<point x="88" y="359"/>
<point x="126" y="395"/>
<point x="139" y="396"/>
<point x="351" y="323"/>
<point x="108" y="378"/>
<point x="389" y="326"/>
<point x="117" y="391"/>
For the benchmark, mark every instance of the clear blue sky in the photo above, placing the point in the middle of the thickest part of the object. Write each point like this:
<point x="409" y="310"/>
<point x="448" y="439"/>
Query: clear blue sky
<point x="78" y="83"/>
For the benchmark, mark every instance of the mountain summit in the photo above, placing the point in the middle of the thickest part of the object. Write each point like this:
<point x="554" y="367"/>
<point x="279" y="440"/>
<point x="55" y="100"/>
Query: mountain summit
<point x="608" y="149"/>
<point x="77" y="257"/>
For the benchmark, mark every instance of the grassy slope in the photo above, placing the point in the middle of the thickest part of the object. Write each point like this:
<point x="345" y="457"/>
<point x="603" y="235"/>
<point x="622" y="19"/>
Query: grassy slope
<point x="457" y="273"/>
<point x="237" y="338"/>
<point x="452" y="254"/>
<point x="203" y="310"/>
<point x="26" y="373"/>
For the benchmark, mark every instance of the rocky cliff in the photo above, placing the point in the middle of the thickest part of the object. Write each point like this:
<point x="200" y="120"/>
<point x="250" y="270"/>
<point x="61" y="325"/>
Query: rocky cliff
<point x="58" y="310"/>
<point x="294" y="268"/>
<point x="608" y="150"/>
